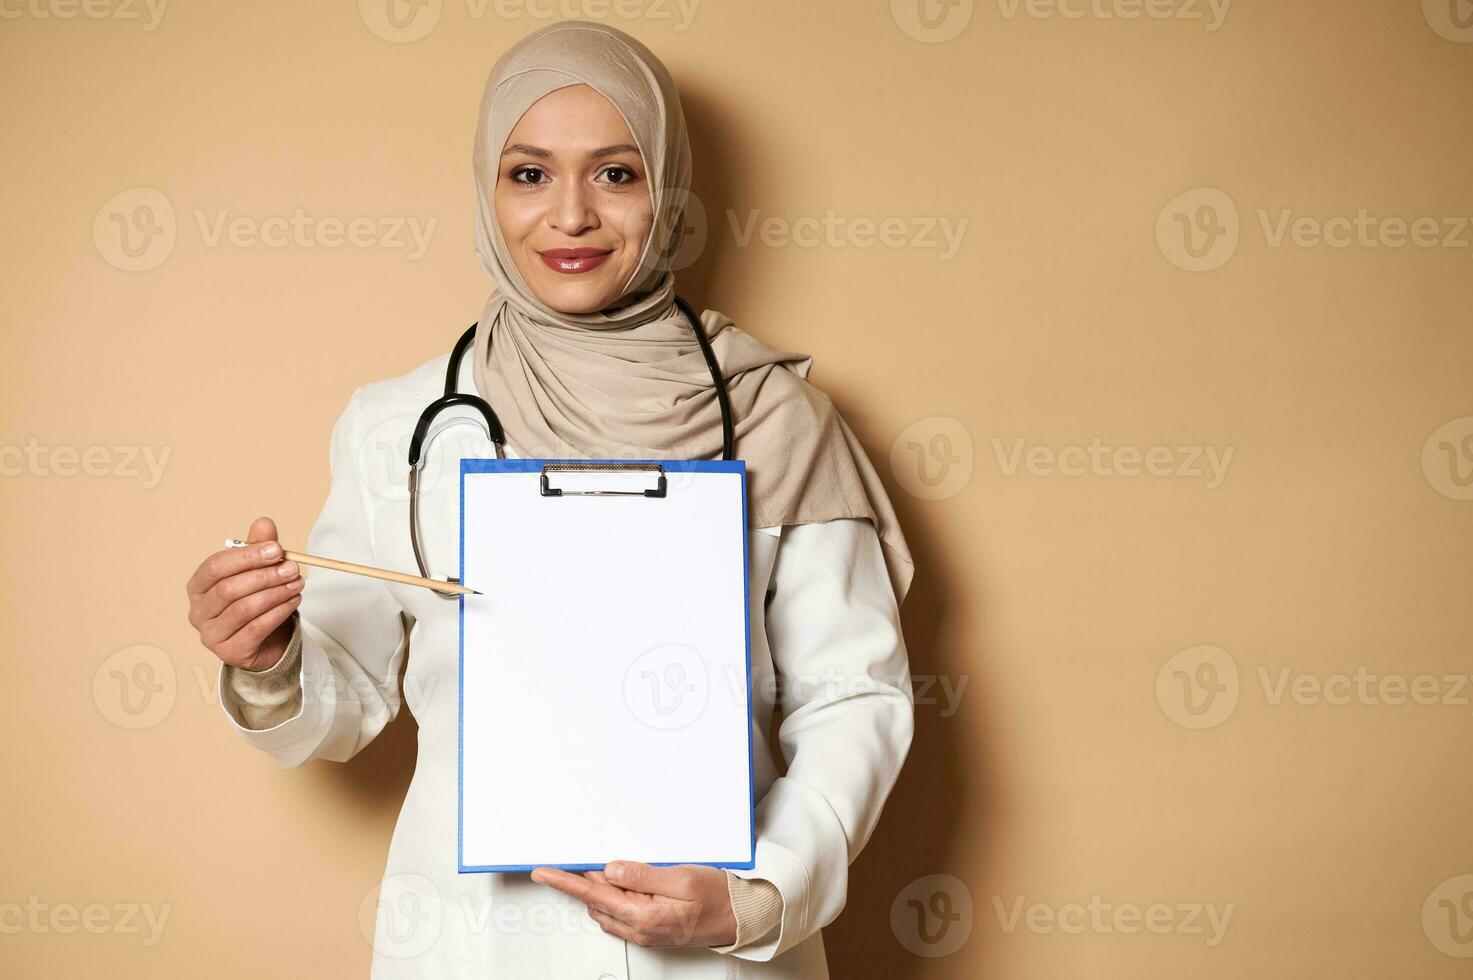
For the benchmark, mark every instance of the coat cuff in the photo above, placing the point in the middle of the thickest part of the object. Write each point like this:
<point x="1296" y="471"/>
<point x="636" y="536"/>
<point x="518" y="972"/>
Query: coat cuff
<point x="262" y="699"/>
<point x="782" y="868"/>
<point x="757" y="905"/>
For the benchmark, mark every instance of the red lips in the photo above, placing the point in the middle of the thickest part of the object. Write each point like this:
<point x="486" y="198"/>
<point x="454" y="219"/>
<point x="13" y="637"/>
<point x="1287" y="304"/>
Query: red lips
<point x="572" y="261"/>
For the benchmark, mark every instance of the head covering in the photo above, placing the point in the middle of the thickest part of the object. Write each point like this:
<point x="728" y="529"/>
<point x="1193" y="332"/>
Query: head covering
<point x="630" y="381"/>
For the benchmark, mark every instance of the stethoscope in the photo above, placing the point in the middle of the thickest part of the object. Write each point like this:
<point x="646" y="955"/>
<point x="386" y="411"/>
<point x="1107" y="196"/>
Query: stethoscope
<point x="494" y="432"/>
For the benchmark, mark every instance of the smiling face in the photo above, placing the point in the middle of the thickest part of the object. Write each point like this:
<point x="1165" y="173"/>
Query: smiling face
<point x="573" y="200"/>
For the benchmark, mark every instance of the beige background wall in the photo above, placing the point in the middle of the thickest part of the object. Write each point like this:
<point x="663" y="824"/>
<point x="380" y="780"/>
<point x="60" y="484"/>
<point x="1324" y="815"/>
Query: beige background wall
<point x="1128" y="683"/>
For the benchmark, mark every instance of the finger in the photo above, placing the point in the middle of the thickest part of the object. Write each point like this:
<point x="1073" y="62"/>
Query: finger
<point x="615" y="926"/>
<point x="249" y="638"/>
<point x="231" y="561"/>
<point x="591" y="893"/>
<point x="675" y="882"/>
<point x="246" y="609"/>
<point x="233" y="588"/>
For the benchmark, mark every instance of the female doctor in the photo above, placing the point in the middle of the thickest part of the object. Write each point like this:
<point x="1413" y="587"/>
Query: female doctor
<point x="582" y="164"/>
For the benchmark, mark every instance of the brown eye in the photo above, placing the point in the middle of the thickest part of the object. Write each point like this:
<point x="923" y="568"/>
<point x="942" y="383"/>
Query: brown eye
<point x="528" y="171"/>
<point x="626" y="176"/>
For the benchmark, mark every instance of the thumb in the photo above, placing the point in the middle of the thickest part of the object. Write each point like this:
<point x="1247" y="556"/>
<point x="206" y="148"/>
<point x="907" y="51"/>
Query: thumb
<point x="264" y="529"/>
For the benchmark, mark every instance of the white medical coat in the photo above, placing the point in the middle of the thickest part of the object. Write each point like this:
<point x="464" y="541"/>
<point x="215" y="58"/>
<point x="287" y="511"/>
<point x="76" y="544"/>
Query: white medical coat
<point x="824" y="626"/>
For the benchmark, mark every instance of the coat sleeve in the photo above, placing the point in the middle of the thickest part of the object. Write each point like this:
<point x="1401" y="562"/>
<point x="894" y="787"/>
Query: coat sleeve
<point x="353" y="635"/>
<point x="833" y="627"/>
<point x="266" y="698"/>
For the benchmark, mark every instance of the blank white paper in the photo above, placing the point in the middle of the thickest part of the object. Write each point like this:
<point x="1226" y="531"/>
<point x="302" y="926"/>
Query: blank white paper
<point x="605" y="671"/>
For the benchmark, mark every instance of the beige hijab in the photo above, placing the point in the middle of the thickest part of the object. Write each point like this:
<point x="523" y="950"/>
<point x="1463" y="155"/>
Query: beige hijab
<point x="630" y="381"/>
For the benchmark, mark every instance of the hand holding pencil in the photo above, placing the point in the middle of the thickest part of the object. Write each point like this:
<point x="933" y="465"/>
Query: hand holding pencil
<point x="241" y="598"/>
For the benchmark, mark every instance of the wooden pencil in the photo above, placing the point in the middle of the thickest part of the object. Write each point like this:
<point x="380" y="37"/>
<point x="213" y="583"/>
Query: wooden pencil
<point x="449" y="588"/>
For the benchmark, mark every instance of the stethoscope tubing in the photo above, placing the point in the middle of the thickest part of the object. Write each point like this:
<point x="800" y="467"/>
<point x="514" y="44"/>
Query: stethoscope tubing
<point x="496" y="434"/>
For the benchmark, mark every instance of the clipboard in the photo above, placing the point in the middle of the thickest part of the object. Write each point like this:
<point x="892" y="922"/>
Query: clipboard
<point x="605" y="671"/>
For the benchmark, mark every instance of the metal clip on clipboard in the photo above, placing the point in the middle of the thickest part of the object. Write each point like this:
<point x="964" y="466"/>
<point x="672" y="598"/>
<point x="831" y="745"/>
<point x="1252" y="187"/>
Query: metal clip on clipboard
<point x="596" y="467"/>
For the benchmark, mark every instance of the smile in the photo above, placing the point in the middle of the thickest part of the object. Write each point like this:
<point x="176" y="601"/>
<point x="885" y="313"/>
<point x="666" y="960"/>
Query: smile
<point x="572" y="261"/>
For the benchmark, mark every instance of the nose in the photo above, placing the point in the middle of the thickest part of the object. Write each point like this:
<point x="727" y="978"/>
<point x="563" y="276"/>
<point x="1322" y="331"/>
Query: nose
<point x="571" y="209"/>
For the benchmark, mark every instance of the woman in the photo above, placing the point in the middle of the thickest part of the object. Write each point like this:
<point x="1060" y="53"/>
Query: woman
<point x="581" y="164"/>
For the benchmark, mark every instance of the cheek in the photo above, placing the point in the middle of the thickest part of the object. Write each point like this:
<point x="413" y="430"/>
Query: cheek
<point x="635" y="220"/>
<point x="516" y="217"/>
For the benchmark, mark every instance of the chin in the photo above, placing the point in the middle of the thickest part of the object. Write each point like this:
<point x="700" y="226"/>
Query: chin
<point x="576" y="297"/>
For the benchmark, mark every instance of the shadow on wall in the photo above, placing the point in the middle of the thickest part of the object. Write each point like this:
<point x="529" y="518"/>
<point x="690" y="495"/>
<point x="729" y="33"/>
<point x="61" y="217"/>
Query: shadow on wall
<point x="879" y="933"/>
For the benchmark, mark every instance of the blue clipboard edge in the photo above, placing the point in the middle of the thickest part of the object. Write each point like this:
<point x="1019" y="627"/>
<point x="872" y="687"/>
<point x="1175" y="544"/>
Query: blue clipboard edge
<point x="479" y="465"/>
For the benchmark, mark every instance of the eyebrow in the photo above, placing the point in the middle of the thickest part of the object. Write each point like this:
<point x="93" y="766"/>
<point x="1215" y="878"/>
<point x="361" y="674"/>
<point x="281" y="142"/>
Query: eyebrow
<point x="537" y="151"/>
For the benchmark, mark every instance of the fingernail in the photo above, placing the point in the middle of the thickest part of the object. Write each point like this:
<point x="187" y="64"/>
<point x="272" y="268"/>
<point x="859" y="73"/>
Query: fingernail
<point x="295" y="583"/>
<point x="286" y="569"/>
<point x="270" y="550"/>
